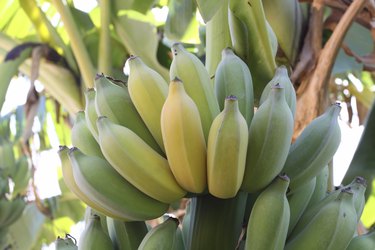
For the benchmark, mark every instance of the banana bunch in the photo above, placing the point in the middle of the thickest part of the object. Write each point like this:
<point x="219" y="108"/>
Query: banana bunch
<point x="140" y="146"/>
<point x="10" y="211"/>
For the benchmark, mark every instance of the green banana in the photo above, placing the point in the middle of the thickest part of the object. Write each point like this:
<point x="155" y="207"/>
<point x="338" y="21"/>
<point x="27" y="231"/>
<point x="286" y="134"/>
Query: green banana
<point x="191" y="71"/>
<point x="82" y="137"/>
<point x="93" y="237"/>
<point x="298" y="201"/>
<point x="208" y="8"/>
<point x="137" y="162"/>
<point x="226" y="151"/>
<point x="358" y="187"/>
<point x="126" y="235"/>
<point x="10" y="211"/>
<point x="249" y="20"/>
<point x="281" y="77"/>
<point x="321" y="187"/>
<point x="93" y="176"/>
<point x="90" y="112"/>
<point x="331" y="228"/>
<point x="269" y="219"/>
<point x="113" y="101"/>
<point x="233" y="77"/>
<point x="217" y="38"/>
<point x="148" y="91"/>
<point x="363" y="242"/>
<point x="183" y="138"/>
<point x="66" y="243"/>
<point x="70" y="182"/>
<point x="270" y="136"/>
<point x="161" y="236"/>
<point x="7" y="158"/>
<point x="22" y="175"/>
<point x="314" y="148"/>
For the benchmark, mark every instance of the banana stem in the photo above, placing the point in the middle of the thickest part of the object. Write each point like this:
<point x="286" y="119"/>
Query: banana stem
<point x="83" y="59"/>
<point x="105" y="60"/>
<point x="216" y="223"/>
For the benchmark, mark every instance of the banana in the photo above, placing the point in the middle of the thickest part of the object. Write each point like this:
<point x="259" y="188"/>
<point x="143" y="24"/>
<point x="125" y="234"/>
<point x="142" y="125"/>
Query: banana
<point x="314" y="148"/>
<point x="22" y="175"/>
<point x="233" y="77"/>
<point x="183" y="138"/>
<point x="217" y="38"/>
<point x="126" y="235"/>
<point x="161" y="236"/>
<point x="68" y="176"/>
<point x="10" y="211"/>
<point x="298" y="201"/>
<point x="281" y="77"/>
<point x="191" y="71"/>
<point x="363" y="242"/>
<point x="248" y="25"/>
<point x="269" y="219"/>
<point x="226" y="151"/>
<point x="7" y="157"/>
<point x="270" y="136"/>
<point x="137" y="162"/>
<point x="101" y="183"/>
<point x="113" y="100"/>
<point x="331" y="228"/>
<point x="82" y="137"/>
<point x="90" y="112"/>
<point x="148" y="91"/>
<point x="358" y="186"/>
<point x="66" y="243"/>
<point x="93" y="237"/>
<point x="321" y="187"/>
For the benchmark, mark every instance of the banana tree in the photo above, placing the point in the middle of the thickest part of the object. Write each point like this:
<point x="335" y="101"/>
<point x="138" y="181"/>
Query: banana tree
<point x="65" y="48"/>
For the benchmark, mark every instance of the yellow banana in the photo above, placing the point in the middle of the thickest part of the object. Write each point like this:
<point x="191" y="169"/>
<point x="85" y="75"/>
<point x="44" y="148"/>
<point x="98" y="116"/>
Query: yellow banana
<point x="82" y="137"/>
<point x="183" y="138"/>
<point x="226" y="151"/>
<point x="270" y="136"/>
<point x="233" y="77"/>
<point x="148" y="91"/>
<point x="191" y="71"/>
<point x="93" y="237"/>
<point x="314" y="148"/>
<point x="269" y="219"/>
<point x="113" y="101"/>
<point x="137" y="162"/>
<point x="99" y="181"/>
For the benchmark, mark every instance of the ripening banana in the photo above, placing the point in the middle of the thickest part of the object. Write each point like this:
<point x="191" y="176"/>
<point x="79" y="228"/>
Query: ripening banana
<point x="363" y="242"/>
<point x="226" y="151"/>
<point x="148" y="91"/>
<point x="126" y="235"/>
<point x="93" y="237"/>
<point x="22" y="175"/>
<point x="137" y="162"/>
<point x="82" y="137"/>
<point x="331" y="228"/>
<point x="90" y="112"/>
<point x="100" y="182"/>
<point x="66" y="243"/>
<point x="314" y="148"/>
<point x="161" y="236"/>
<point x="321" y="187"/>
<point x="183" y="138"/>
<point x="298" y="201"/>
<point x="281" y="76"/>
<point x="251" y="40"/>
<point x="233" y="77"/>
<point x="192" y="72"/>
<point x="70" y="182"/>
<point x="270" y="136"/>
<point x="112" y="100"/>
<point x="10" y="211"/>
<point x="269" y="219"/>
